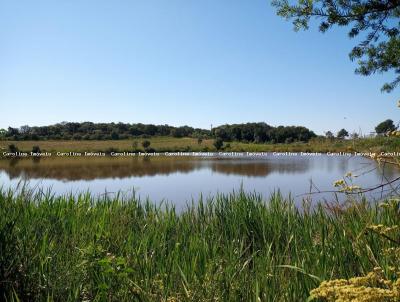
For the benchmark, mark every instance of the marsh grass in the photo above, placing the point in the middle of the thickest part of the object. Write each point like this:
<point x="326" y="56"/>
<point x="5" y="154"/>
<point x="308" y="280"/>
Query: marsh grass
<point x="235" y="247"/>
<point x="167" y="144"/>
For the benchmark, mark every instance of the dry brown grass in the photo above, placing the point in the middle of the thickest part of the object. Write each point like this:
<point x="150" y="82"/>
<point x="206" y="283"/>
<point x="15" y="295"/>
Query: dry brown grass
<point x="158" y="143"/>
<point x="162" y="144"/>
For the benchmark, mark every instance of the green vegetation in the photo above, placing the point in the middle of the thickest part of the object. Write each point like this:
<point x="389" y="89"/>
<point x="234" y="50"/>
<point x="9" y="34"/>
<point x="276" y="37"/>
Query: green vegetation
<point x="252" y="137"/>
<point x="146" y="144"/>
<point x="167" y="144"/>
<point x="36" y="149"/>
<point x="231" y="248"/>
<point x="12" y="148"/>
<point x="159" y="144"/>
<point x="218" y="143"/>
<point x="98" y="131"/>
<point x="262" y="133"/>
<point x="342" y="133"/>
<point x="385" y="126"/>
<point x="250" y="132"/>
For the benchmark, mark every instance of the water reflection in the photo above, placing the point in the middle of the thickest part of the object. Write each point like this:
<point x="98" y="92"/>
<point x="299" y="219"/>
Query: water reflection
<point x="178" y="179"/>
<point x="68" y="169"/>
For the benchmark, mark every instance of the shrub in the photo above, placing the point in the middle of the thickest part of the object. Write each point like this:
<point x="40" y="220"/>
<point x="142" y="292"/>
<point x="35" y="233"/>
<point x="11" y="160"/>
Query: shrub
<point x="77" y="137"/>
<point x="218" y="143"/>
<point x="146" y="144"/>
<point x="12" y="148"/>
<point x="36" y="149"/>
<point x="114" y="135"/>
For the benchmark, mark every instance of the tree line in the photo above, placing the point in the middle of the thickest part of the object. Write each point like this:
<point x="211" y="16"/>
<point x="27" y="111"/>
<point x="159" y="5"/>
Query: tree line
<point x="249" y="132"/>
<point x="98" y="131"/>
<point x="262" y="133"/>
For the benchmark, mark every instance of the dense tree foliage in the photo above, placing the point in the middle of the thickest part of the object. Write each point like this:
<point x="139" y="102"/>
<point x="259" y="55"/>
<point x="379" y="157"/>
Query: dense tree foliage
<point x="342" y="133"/>
<point x="218" y="143"/>
<point x="250" y="132"/>
<point x="100" y="131"/>
<point x="262" y="133"/>
<point x="3" y="133"/>
<point x="376" y="20"/>
<point x="146" y="144"/>
<point x="385" y="126"/>
<point x="329" y="135"/>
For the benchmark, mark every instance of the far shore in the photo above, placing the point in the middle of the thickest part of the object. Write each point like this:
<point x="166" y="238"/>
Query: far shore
<point x="376" y="145"/>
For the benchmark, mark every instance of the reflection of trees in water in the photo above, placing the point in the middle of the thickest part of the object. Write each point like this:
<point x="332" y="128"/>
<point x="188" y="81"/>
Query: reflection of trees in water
<point x="88" y="169"/>
<point x="257" y="167"/>
<point x="99" y="168"/>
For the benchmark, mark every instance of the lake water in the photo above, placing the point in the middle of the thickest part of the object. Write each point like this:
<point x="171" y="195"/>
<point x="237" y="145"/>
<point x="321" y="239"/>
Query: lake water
<point x="181" y="179"/>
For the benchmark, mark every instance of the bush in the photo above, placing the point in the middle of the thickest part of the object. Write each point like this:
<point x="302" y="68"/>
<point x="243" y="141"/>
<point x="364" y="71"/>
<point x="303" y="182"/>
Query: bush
<point x="135" y="145"/>
<point x="111" y="149"/>
<point x="146" y="144"/>
<point x="77" y="137"/>
<point x="385" y="126"/>
<point x="12" y="148"/>
<point x="342" y="133"/>
<point x="114" y="135"/>
<point x="36" y="149"/>
<point x="218" y="143"/>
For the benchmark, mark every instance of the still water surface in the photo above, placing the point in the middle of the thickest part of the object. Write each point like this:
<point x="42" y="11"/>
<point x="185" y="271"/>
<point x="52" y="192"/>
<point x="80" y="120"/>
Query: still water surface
<point x="181" y="179"/>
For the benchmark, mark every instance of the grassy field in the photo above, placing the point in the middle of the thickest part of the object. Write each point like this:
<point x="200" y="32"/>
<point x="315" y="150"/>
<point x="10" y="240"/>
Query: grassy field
<point x="233" y="248"/>
<point x="162" y="144"/>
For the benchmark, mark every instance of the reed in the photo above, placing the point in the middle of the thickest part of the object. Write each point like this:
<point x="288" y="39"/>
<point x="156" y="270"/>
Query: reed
<point x="236" y="247"/>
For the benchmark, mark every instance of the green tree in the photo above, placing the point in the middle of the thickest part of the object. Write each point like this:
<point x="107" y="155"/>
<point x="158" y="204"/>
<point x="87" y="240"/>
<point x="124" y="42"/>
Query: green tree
<point x="146" y="144"/>
<point x="342" y="133"/>
<point x="218" y="143"/>
<point x="221" y="132"/>
<point x="36" y="149"/>
<point x="385" y="126"/>
<point x="3" y="133"/>
<point x="376" y="20"/>
<point x="12" y="132"/>
<point x="24" y="129"/>
<point x="329" y="135"/>
<point x="114" y="135"/>
<point x="12" y="148"/>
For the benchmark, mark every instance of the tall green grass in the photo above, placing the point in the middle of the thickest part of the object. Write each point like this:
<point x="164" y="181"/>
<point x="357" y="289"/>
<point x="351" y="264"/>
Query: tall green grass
<point x="235" y="247"/>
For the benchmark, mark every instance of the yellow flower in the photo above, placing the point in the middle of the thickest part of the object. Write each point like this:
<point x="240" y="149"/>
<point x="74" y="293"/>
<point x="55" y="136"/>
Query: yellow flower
<point x="373" y="288"/>
<point x="354" y="188"/>
<point x="339" y="182"/>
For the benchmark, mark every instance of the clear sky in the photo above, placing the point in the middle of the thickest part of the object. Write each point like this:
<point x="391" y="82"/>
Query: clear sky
<point x="194" y="62"/>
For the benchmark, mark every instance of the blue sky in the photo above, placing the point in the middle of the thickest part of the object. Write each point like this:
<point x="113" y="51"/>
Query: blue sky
<point x="179" y="62"/>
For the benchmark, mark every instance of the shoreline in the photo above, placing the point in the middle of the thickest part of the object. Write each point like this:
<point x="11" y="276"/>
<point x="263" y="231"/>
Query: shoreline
<point x="219" y="154"/>
<point x="378" y="146"/>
